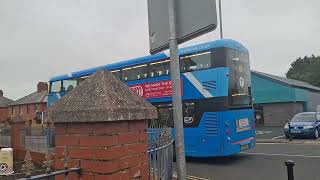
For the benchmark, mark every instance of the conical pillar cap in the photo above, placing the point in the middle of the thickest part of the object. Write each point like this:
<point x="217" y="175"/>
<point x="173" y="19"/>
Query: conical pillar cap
<point x="99" y="98"/>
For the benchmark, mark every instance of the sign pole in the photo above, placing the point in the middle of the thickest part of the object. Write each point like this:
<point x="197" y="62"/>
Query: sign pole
<point x="176" y="93"/>
<point x="220" y="19"/>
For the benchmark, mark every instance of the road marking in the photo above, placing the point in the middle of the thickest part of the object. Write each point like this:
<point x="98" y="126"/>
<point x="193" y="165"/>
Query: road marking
<point x="263" y="132"/>
<point x="269" y="143"/>
<point x="278" y="137"/>
<point x="286" y="155"/>
<point x="196" y="178"/>
<point x="190" y="177"/>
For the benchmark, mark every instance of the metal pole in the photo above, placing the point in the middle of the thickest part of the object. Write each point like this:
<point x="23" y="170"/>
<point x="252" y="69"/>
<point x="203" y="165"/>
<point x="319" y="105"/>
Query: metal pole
<point x="290" y="165"/>
<point x="176" y="93"/>
<point x="290" y="136"/>
<point x="220" y="19"/>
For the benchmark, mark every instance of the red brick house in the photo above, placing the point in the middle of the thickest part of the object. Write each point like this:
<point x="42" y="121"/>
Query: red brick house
<point x="4" y="102"/>
<point x="29" y="106"/>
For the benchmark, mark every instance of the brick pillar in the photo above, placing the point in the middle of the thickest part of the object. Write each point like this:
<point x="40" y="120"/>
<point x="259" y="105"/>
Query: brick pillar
<point x="17" y="128"/>
<point x="104" y="150"/>
<point x="104" y="125"/>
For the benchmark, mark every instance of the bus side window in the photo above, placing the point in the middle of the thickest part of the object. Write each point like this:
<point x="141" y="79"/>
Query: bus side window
<point x="189" y="114"/>
<point x="160" y="68"/>
<point x="116" y="73"/>
<point x="135" y="73"/>
<point x="165" y="113"/>
<point x="55" y="86"/>
<point x="81" y="79"/>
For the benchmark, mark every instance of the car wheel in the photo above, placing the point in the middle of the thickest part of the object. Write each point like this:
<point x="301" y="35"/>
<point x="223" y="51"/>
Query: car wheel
<point x="287" y="136"/>
<point x="316" y="134"/>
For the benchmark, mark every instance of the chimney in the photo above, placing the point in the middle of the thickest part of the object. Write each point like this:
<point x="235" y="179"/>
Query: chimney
<point x="42" y="86"/>
<point x="1" y="93"/>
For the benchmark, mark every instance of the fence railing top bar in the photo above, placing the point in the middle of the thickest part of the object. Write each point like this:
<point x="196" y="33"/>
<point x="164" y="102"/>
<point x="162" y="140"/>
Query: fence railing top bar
<point x="52" y="174"/>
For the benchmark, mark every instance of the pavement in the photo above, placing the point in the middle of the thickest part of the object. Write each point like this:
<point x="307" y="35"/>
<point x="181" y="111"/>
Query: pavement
<point x="265" y="162"/>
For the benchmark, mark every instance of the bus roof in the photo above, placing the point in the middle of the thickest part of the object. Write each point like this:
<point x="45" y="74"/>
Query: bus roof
<point x="228" y="43"/>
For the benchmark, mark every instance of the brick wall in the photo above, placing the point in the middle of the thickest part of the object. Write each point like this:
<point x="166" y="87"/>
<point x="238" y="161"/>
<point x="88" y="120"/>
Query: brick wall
<point x="278" y="114"/>
<point x="22" y="110"/>
<point x="3" y="114"/>
<point x="17" y="143"/>
<point x="104" y="150"/>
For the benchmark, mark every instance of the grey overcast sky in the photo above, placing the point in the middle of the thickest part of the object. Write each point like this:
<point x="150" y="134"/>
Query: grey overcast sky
<point x="43" y="38"/>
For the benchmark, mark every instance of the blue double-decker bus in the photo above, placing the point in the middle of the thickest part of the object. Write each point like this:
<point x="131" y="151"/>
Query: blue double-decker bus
<point x="216" y="94"/>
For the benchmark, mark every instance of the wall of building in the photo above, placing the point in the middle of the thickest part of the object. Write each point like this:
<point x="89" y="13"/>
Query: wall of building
<point x="3" y="114"/>
<point x="278" y="114"/>
<point x="314" y="101"/>
<point x="27" y="112"/>
<point x="267" y="91"/>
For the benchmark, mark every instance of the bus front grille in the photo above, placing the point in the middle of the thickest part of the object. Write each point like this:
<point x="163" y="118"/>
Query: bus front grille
<point x="211" y="124"/>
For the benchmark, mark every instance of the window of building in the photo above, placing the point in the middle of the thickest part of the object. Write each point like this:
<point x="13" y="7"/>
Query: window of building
<point x="68" y="85"/>
<point x="135" y="73"/>
<point x="12" y="110"/>
<point x="196" y="62"/>
<point x="55" y="86"/>
<point x="160" y="68"/>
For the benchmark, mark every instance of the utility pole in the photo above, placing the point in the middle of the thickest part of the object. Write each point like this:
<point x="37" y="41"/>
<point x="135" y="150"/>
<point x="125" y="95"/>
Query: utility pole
<point x="176" y="92"/>
<point x="220" y="19"/>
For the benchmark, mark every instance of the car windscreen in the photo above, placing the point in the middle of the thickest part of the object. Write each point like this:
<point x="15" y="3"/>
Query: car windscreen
<point x="304" y="118"/>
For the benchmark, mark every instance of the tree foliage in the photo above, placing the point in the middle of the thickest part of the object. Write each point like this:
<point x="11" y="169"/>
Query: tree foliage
<point x="306" y="69"/>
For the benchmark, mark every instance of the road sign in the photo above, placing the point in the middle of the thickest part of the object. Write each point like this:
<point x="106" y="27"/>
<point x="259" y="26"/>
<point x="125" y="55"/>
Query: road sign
<point x="194" y="18"/>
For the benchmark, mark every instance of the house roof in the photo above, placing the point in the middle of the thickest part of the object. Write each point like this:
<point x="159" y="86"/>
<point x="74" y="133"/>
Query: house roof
<point x="4" y="102"/>
<point x="291" y="82"/>
<point x="36" y="97"/>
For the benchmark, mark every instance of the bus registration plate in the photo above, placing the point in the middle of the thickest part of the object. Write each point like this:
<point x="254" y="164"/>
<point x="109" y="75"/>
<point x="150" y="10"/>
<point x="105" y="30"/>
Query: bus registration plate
<point x="243" y="125"/>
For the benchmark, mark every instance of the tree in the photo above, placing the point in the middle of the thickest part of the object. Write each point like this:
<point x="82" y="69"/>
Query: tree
<point x="306" y="69"/>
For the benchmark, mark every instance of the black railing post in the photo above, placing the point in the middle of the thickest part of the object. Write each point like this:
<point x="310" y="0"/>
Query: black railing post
<point x="290" y="165"/>
<point x="290" y="136"/>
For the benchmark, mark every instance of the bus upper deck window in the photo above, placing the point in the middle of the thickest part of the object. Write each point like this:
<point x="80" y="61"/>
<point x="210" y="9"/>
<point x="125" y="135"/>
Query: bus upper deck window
<point x="159" y="68"/>
<point x="196" y="62"/>
<point x="116" y="73"/>
<point x="55" y="86"/>
<point x="135" y="72"/>
<point x="68" y="85"/>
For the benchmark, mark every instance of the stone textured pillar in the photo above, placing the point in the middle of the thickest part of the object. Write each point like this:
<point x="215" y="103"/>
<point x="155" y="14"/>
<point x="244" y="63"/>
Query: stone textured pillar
<point x="104" y="125"/>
